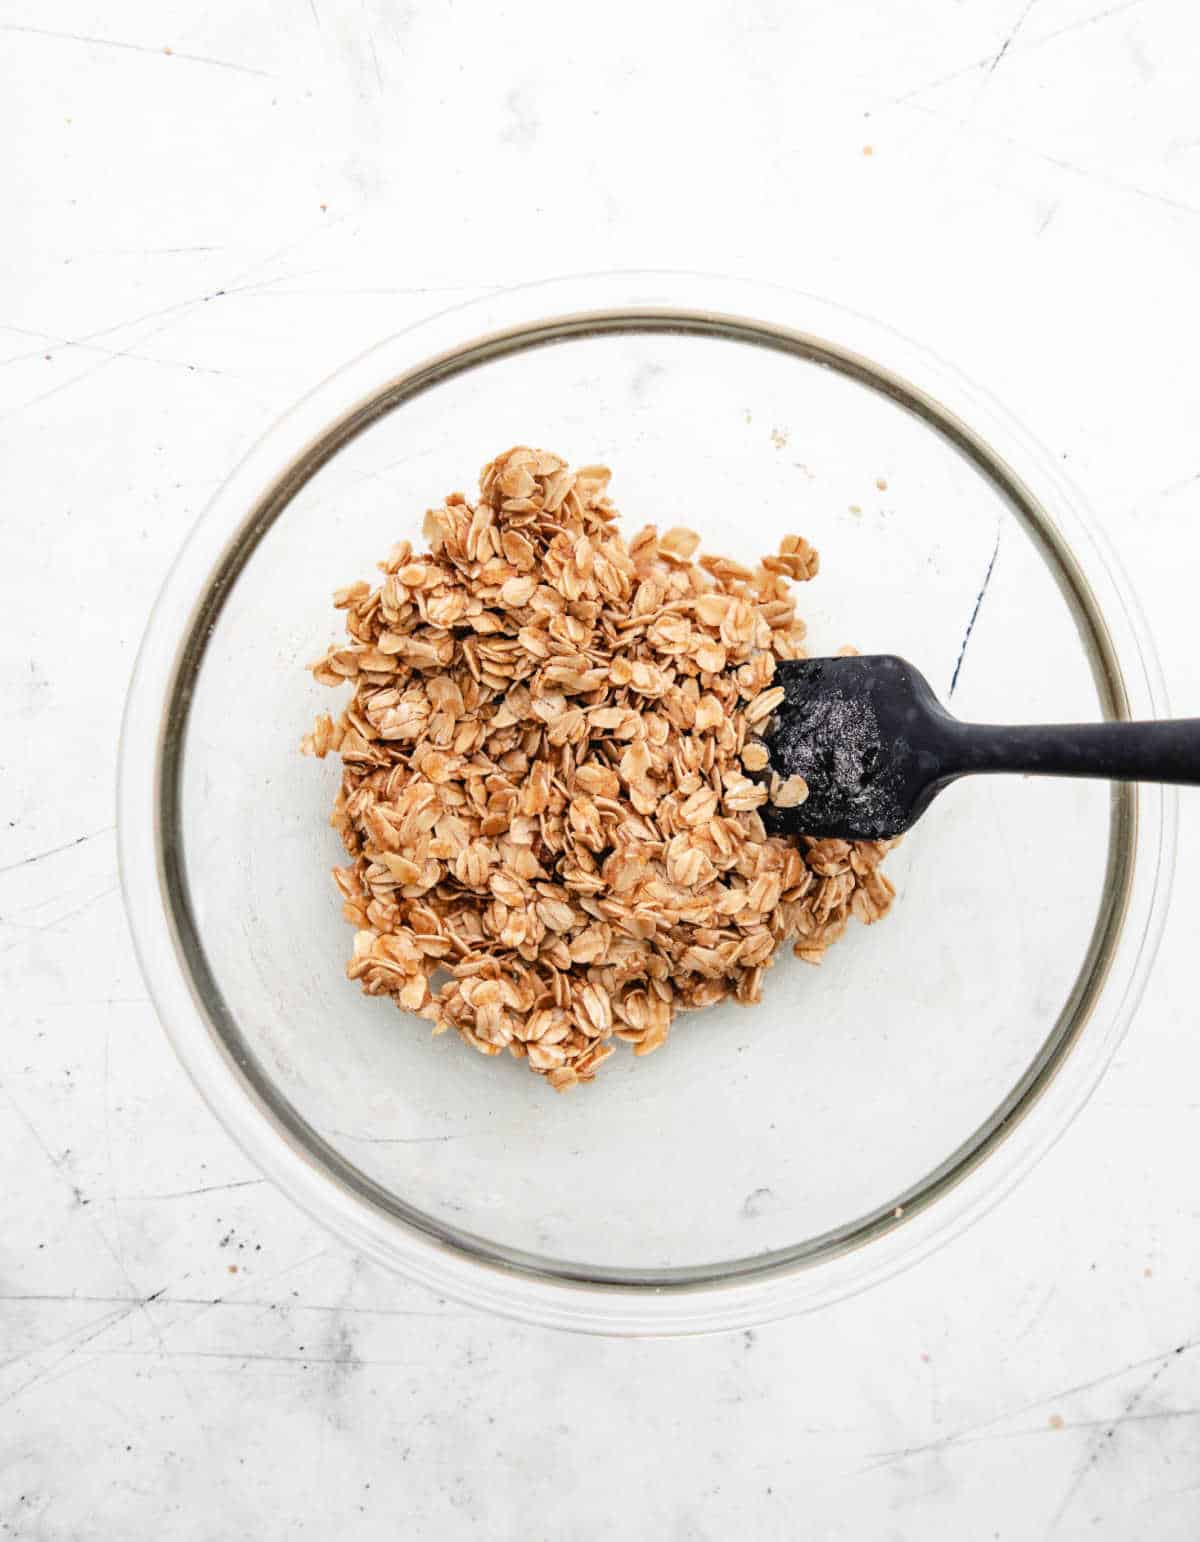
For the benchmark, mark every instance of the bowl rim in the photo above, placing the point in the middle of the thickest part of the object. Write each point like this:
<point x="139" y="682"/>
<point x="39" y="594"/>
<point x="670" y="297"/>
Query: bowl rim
<point x="967" y="1182"/>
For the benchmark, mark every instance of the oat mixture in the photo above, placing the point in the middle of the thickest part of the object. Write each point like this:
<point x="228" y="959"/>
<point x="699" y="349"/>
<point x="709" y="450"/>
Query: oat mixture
<point x="551" y="775"/>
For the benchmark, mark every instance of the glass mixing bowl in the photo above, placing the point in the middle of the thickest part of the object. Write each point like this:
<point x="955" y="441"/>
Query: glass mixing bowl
<point x="769" y="1159"/>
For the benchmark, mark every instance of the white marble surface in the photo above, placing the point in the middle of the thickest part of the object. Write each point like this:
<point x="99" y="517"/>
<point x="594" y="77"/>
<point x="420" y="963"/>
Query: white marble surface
<point x="205" y="209"/>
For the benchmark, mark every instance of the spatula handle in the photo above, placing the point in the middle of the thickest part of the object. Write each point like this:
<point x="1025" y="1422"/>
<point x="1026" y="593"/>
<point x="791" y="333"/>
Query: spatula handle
<point x="1167" y="751"/>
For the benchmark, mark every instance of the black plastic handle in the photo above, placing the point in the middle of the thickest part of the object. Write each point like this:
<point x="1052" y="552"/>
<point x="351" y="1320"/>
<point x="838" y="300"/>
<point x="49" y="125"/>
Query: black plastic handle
<point x="1167" y="751"/>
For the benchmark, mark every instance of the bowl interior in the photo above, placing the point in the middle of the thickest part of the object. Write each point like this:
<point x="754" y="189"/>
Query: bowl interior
<point x="784" y="1129"/>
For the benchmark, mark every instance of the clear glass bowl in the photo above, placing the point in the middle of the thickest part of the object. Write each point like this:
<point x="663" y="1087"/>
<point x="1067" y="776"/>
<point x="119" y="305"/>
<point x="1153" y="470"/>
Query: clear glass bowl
<point x="767" y="1160"/>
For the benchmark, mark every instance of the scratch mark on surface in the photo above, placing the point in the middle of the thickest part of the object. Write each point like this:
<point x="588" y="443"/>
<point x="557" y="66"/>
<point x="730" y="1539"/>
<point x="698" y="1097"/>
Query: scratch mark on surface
<point x="174" y="309"/>
<point x="111" y="356"/>
<point x="212" y="1188"/>
<point x="56" y="344"/>
<point x="1087" y="21"/>
<point x="244" y="1356"/>
<point x="1122" y="1418"/>
<point x="179" y="310"/>
<point x="972" y="1433"/>
<point x="1008" y="41"/>
<point x="115" y="1253"/>
<point x="136" y="48"/>
<point x="1162" y="199"/>
<point x="124" y="1307"/>
<point x="138" y="1301"/>
<point x="987" y="578"/>
<point x="109" y="1320"/>
<point x="74" y="1002"/>
<point x="53" y="851"/>
<point x="472" y="289"/>
<point x="232" y="1301"/>
<point x="1174" y="487"/>
<point x="1038" y="1313"/>
<point x="1031" y="1432"/>
<point x="964" y="124"/>
<point x="234" y="1297"/>
<point x="1100" y="1444"/>
<point x="49" y="926"/>
<point x="173" y="313"/>
<point x="374" y="51"/>
<point x="395" y="1140"/>
<point x="1025" y="48"/>
<point x="65" y="385"/>
<point x="1087" y="173"/>
<point x="117" y="1302"/>
<point x="141" y="252"/>
<point x="108" y="1153"/>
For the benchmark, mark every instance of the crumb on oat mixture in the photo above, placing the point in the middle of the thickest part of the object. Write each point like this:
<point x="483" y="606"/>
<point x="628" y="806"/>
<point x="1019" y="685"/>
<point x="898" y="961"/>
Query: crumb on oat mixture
<point x="549" y="794"/>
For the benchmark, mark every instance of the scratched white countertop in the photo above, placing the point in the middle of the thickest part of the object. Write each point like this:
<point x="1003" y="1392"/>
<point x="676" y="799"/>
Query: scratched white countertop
<point x="207" y="208"/>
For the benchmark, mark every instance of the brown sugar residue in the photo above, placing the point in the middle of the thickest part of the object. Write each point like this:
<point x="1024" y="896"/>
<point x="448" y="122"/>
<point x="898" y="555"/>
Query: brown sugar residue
<point x="1057" y="1422"/>
<point x="233" y="1268"/>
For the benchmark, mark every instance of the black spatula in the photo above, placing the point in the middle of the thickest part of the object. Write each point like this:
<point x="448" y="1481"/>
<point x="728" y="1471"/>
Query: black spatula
<point x="875" y="746"/>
